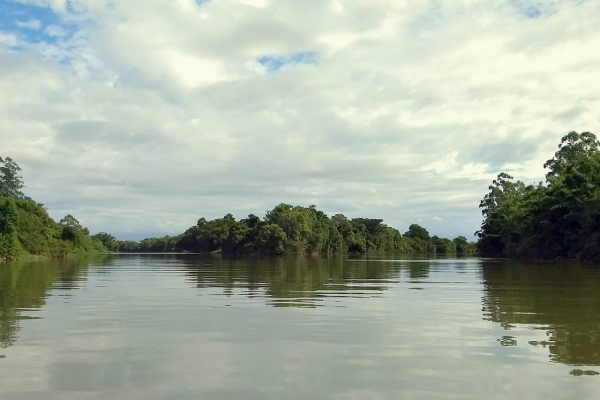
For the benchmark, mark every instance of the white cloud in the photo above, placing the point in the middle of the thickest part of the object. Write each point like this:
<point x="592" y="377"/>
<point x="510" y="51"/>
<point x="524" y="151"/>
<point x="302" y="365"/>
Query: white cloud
<point x="445" y="165"/>
<point x="150" y="117"/>
<point x="32" y="24"/>
<point x="55" y="31"/>
<point x="254" y="3"/>
<point x="192" y="71"/>
<point x="8" y="40"/>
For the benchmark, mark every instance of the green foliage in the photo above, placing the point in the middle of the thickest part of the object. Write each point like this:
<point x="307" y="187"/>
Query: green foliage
<point x="462" y="245"/>
<point x="419" y="240"/>
<point x="560" y="219"/>
<point x="79" y="237"/>
<point x="271" y="239"/>
<point x="417" y="232"/>
<point x="108" y="240"/>
<point x="165" y="244"/>
<point x="11" y="182"/>
<point x="26" y="227"/>
<point x="573" y="146"/>
<point x="37" y="232"/>
<point x="443" y="246"/>
<point x="288" y="229"/>
<point x="9" y="243"/>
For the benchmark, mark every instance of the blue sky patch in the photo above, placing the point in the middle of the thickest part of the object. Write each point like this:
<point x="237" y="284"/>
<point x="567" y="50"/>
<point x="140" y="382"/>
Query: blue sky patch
<point x="532" y="12"/>
<point x="274" y="63"/>
<point x="31" y="23"/>
<point x="529" y="10"/>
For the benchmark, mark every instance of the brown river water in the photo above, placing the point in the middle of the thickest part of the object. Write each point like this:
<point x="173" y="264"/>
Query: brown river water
<point x="210" y="327"/>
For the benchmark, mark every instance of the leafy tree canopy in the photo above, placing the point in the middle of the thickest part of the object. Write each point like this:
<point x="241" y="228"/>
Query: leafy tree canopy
<point x="11" y="182"/>
<point x="417" y="232"/>
<point x="293" y="229"/>
<point x="556" y="219"/>
<point x="572" y="147"/>
<point x="70" y="221"/>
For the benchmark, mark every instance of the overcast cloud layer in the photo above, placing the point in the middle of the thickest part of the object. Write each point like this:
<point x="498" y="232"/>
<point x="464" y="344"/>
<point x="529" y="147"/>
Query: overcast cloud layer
<point x="139" y="117"/>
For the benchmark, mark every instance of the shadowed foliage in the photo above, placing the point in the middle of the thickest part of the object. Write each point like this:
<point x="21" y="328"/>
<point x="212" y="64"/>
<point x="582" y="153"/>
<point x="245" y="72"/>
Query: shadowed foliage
<point x="288" y="229"/>
<point x="558" y="219"/>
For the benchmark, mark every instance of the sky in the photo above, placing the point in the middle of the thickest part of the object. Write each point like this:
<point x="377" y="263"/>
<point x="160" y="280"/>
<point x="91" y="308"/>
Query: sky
<point x="140" y="117"/>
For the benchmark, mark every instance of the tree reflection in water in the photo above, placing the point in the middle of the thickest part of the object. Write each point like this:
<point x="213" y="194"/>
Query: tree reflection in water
<point x="24" y="287"/>
<point x="295" y="281"/>
<point x="562" y="300"/>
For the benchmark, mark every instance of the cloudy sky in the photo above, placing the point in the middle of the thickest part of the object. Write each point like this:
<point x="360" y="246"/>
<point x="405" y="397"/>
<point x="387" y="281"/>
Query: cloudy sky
<point x="139" y="117"/>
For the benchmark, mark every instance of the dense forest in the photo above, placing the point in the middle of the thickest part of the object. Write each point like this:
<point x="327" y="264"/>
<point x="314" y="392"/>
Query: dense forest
<point x="27" y="229"/>
<point x="288" y="229"/>
<point x="555" y="219"/>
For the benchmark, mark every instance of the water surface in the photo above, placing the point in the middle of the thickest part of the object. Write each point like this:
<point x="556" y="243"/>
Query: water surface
<point x="190" y="327"/>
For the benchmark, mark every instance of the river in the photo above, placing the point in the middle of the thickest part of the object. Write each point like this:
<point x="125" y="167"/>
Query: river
<point x="209" y="327"/>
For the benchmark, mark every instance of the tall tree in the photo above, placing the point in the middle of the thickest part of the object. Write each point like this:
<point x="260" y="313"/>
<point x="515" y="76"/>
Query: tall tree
<point x="11" y="182"/>
<point x="572" y="147"/>
<point x="417" y="232"/>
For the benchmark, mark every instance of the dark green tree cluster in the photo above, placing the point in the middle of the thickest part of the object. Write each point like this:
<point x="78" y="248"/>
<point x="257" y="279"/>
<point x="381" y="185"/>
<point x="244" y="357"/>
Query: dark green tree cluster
<point x="10" y="248"/>
<point x="26" y="227"/>
<point x="288" y="229"/>
<point x="558" y="219"/>
<point x="166" y="244"/>
<point x="109" y="241"/>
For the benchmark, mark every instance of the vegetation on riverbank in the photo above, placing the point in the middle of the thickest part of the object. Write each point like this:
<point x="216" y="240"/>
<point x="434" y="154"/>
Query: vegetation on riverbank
<point x="558" y="219"/>
<point x="26" y="229"/>
<point x="288" y="229"/>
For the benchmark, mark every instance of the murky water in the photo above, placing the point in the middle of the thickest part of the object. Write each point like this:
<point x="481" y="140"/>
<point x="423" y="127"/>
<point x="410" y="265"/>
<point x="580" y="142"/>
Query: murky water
<point x="189" y="327"/>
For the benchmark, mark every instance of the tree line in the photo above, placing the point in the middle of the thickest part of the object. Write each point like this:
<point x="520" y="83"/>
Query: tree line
<point x="555" y="219"/>
<point x="26" y="228"/>
<point x="288" y="229"/>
